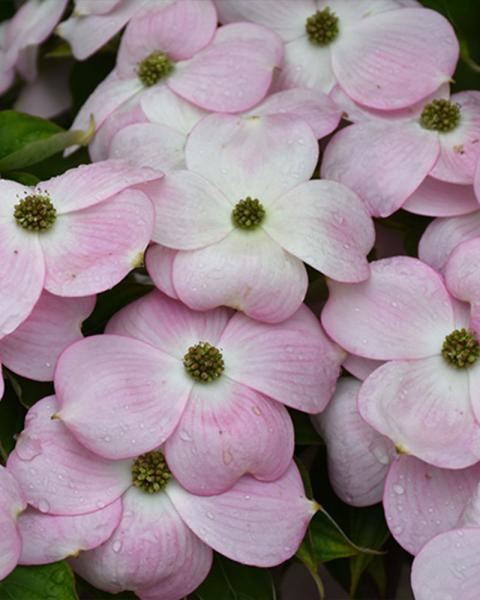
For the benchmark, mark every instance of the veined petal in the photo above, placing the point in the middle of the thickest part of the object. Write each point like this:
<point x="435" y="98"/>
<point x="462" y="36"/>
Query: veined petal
<point x="436" y="198"/>
<point x="159" y="263"/>
<point x="360" y="367"/>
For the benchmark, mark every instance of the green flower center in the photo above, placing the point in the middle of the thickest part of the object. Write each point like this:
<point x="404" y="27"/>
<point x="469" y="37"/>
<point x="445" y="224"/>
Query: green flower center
<point x="461" y="348"/>
<point x="150" y="472"/>
<point x="248" y="213"/>
<point x="204" y="362"/>
<point x="35" y="213"/>
<point x="156" y="66"/>
<point x="322" y="27"/>
<point x="440" y="115"/>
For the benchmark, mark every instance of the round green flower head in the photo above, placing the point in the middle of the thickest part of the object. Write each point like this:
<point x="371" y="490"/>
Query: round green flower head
<point x="322" y="27"/>
<point x="248" y="213"/>
<point x="150" y="472"/>
<point x="204" y="362"/>
<point x="440" y="115"/>
<point x="461" y="348"/>
<point x="35" y="213"/>
<point x="156" y="66"/>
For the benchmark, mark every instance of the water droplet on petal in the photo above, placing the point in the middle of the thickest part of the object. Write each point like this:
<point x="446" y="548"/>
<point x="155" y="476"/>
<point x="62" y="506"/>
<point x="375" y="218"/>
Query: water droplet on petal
<point x="117" y="546"/>
<point x="398" y="489"/>
<point x="43" y="506"/>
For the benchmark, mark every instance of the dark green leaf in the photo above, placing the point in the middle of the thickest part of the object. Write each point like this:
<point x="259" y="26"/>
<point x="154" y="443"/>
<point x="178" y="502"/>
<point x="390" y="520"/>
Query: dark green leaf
<point x="305" y="433"/>
<point x="27" y="391"/>
<point x="12" y="416"/>
<point x="49" y="582"/>
<point x="23" y="178"/>
<point x="87" y="592"/>
<point x="231" y="581"/>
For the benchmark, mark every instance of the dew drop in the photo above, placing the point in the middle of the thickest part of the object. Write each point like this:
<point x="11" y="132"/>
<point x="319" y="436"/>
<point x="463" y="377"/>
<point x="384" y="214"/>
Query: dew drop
<point x="398" y="489"/>
<point x="210" y="515"/>
<point x="43" y="506"/>
<point x="117" y="546"/>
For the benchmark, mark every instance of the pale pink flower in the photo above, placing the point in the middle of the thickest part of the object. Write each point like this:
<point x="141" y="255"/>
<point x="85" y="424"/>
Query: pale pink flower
<point x="422" y="158"/>
<point x="425" y="397"/>
<point x="74" y="235"/>
<point x="162" y="546"/>
<point x="252" y="260"/>
<point x="12" y="503"/>
<point x="137" y="387"/>
<point x="20" y="37"/>
<point x="383" y="53"/>
<point x="179" y="46"/>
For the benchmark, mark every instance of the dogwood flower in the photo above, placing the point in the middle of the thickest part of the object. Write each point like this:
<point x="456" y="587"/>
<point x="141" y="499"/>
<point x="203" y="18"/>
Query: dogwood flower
<point x="368" y="47"/>
<point x="208" y="385"/>
<point x="162" y="545"/>
<point x="12" y="503"/>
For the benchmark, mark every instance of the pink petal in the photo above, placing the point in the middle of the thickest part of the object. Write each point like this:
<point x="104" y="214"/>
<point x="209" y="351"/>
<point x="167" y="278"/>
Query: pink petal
<point x="283" y="16"/>
<point x="47" y="538"/>
<point x="262" y="158"/>
<point x="88" y="185"/>
<point x="12" y="499"/>
<point x="402" y="311"/>
<point x="91" y="250"/>
<point x="159" y="264"/>
<point x="226" y="431"/>
<point x="257" y="277"/>
<point x="245" y="522"/>
<point x="424" y="407"/>
<point x="436" y="198"/>
<point x="462" y="271"/>
<point x="422" y="501"/>
<point x="460" y="149"/>
<point x="119" y="396"/>
<point x="33" y="348"/>
<point x="383" y="163"/>
<point x="292" y="362"/>
<point x="373" y="62"/>
<point x="168" y="324"/>
<point x="151" y="546"/>
<point x="179" y="29"/>
<point x="326" y="225"/>
<point x="191" y="212"/>
<point x="33" y="23"/>
<point x="360" y="367"/>
<point x="476" y="181"/>
<point x="448" y="566"/>
<point x="86" y="33"/>
<point x="94" y="7"/>
<point x="162" y="106"/>
<point x="313" y="106"/>
<point x="215" y="78"/>
<point x="358" y="456"/>
<point x="56" y="473"/>
<point x="12" y="503"/>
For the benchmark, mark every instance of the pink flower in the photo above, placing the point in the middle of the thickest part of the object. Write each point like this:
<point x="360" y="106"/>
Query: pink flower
<point x="386" y="158"/>
<point x="12" y="503"/>
<point x="368" y="47"/>
<point x="424" y="397"/>
<point x="161" y="547"/>
<point x="244" y="217"/>
<point x="178" y="46"/>
<point x="93" y="23"/>
<point x="208" y="385"/>
<point x="20" y="37"/>
<point x="74" y="235"/>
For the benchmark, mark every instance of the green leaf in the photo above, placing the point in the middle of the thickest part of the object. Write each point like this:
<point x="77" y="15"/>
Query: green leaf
<point x="26" y="140"/>
<point x="229" y="580"/>
<point x="305" y="432"/>
<point x="12" y="416"/>
<point x="28" y="392"/>
<point x="49" y="582"/>
<point x="86" y="591"/>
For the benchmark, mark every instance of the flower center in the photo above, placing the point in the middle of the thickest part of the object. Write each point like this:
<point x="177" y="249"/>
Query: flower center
<point x="322" y="27"/>
<point x="461" y="348"/>
<point x="35" y="213"/>
<point x="204" y="362"/>
<point x="440" y="115"/>
<point x="248" y="213"/>
<point x="150" y="472"/>
<point x="156" y="66"/>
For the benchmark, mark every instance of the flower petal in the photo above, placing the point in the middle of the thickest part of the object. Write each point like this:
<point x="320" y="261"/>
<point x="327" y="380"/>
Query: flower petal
<point x="326" y="225"/>
<point x="119" y="396"/>
<point x="360" y="367"/>
<point x="10" y="545"/>
<point x="159" y="263"/>
<point x="358" y="456"/>
<point x="168" y="324"/>
<point x="293" y="361"/>
<point x="164" y="107"/>
<point x="258" y="157"/>
<point x="151" y="545"/>
<point x="421" y="501"/>
<point x="56" y="473"/>
<point x="257" y="276"/>
<point x="245" y="523"/>
<point x="47" y="538"/>
<point x="383" y="163"/>
<point x="402" y="311"/>
<point x="226" y="431"/>
<point x="373" y="60"/>
<point x="462" y="272"/>
<point x="437" y="198"/>
<point x="91" y="250"/>
<point x="424" y="407"/>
